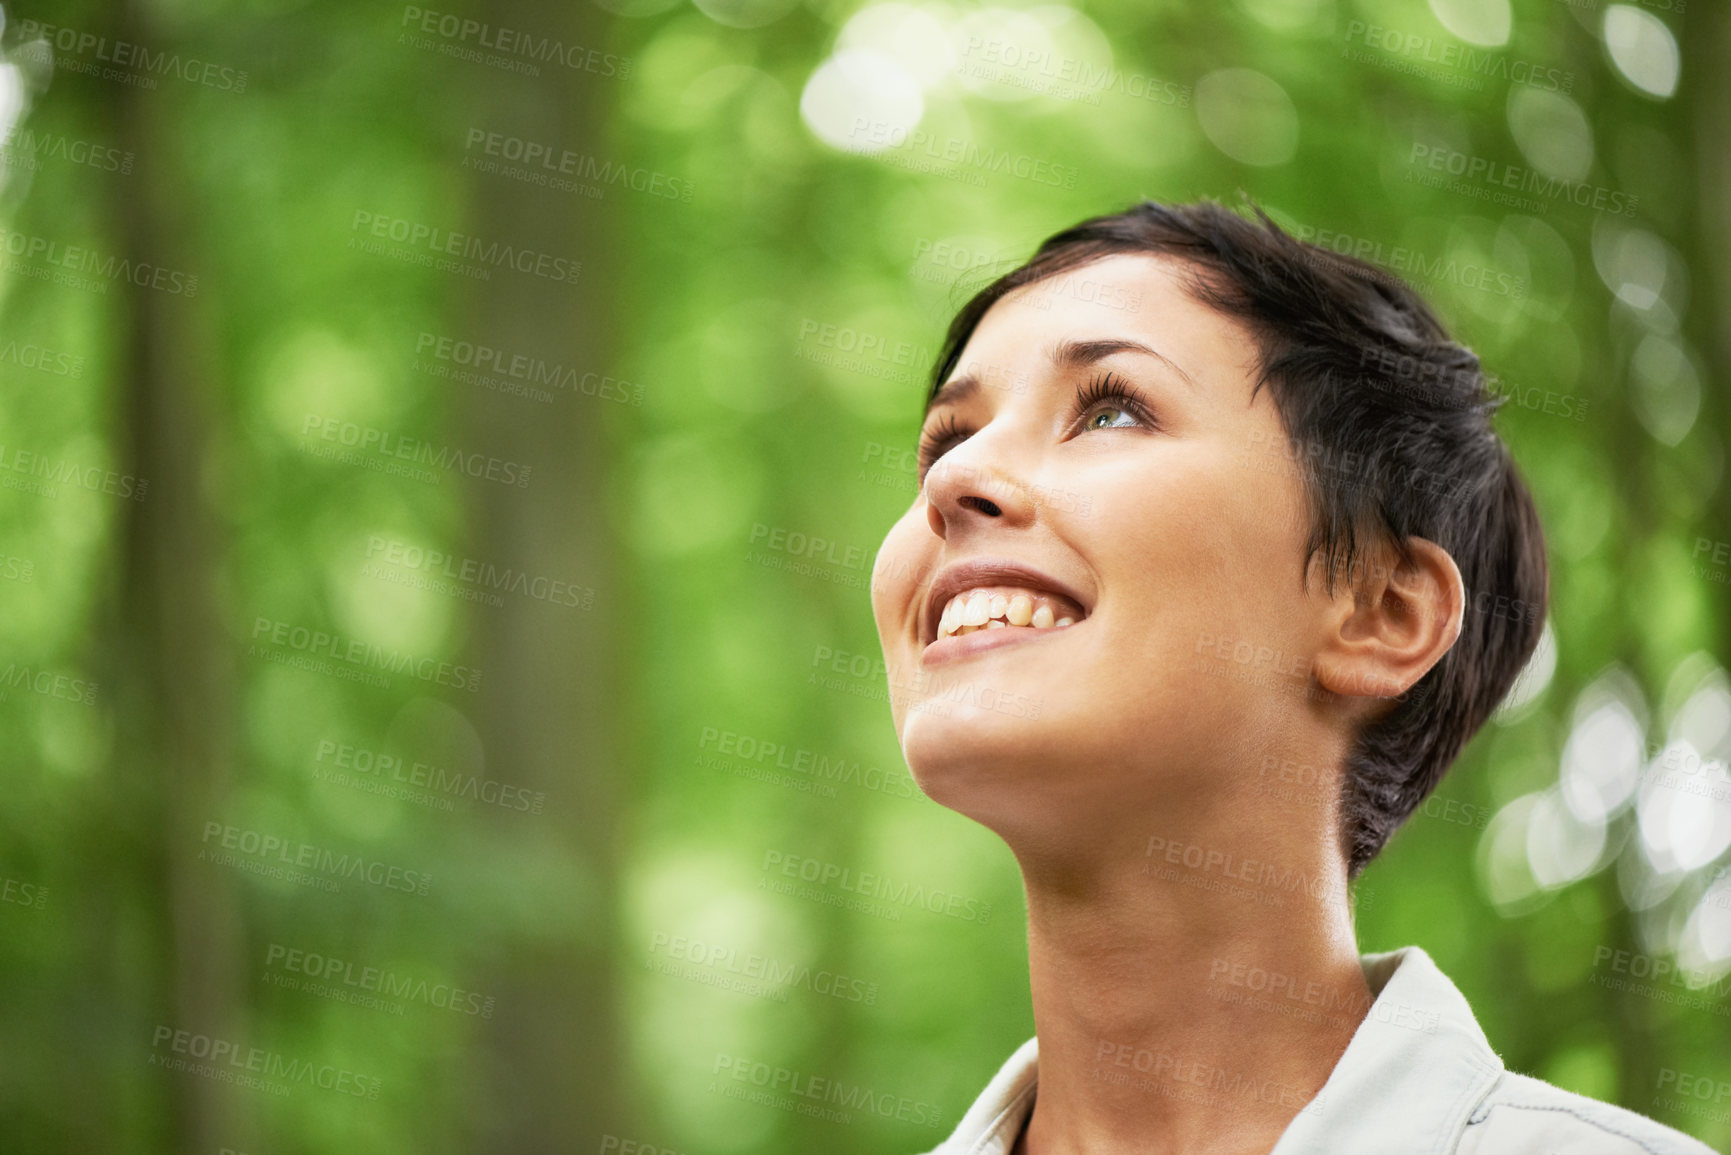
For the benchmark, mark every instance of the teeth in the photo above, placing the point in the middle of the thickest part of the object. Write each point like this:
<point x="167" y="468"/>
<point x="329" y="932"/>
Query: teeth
<point x="988" y="609"/>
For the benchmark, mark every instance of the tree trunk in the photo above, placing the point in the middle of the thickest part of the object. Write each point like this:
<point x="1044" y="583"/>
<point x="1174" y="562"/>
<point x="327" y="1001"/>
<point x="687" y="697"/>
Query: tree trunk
<point x="549" y="705"/>
<point x="1705" y="37"/>
<point x="171" y="659"/>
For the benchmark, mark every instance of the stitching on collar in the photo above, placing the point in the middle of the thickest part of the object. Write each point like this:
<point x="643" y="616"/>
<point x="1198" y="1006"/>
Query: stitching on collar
<point x="1668" y="1149"/>
<point x="1471" y="1095"/>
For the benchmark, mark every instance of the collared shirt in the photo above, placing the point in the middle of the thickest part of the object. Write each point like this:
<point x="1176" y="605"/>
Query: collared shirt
<point x="1418" y="1078"/>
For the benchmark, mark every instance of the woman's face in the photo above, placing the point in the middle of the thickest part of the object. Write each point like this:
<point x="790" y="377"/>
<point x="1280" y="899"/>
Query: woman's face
<point x="1097" y="458"/>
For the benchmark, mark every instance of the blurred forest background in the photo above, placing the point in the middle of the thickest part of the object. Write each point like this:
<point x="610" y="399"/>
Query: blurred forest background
<point x="441" y="457"/>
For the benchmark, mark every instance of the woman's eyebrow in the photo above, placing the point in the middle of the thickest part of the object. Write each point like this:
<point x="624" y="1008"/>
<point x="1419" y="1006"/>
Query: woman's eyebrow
<point x="1072" y="354"/>
<point x="956" y="389"/>
<point x="1065" y="354"/>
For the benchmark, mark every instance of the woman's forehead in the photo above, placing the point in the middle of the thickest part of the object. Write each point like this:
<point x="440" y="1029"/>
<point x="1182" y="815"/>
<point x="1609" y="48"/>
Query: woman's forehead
<point x="1126" y="299"/>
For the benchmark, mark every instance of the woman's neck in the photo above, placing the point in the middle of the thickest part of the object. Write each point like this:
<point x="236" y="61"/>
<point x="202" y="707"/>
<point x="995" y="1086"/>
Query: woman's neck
<point x="1190" y="994"/>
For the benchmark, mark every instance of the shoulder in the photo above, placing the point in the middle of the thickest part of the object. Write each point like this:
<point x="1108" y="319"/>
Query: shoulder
<point x="1526" y="1116"/>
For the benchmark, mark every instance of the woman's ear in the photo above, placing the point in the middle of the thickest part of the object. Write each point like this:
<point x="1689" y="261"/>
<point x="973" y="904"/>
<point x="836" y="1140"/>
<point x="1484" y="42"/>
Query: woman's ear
<point x="1395" y="620"/>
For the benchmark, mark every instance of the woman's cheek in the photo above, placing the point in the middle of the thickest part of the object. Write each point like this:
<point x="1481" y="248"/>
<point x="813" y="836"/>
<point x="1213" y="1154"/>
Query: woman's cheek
<point x="892" y="584"/>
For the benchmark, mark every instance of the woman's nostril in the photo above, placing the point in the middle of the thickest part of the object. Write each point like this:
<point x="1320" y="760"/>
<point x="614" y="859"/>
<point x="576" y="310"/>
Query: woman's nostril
<point x="984" y="506"/>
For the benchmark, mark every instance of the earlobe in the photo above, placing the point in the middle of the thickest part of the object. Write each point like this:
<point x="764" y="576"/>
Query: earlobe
<point x="1395" y="621"/>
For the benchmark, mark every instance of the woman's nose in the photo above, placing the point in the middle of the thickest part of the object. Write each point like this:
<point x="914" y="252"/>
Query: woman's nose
<point x="964" y="489"/>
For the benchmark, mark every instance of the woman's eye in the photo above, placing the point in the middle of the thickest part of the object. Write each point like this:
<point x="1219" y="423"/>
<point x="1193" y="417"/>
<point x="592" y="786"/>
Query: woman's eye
<point x="936" y="442"/>
<point x="1109" y="417"/>
<point x="1107" y="403"/>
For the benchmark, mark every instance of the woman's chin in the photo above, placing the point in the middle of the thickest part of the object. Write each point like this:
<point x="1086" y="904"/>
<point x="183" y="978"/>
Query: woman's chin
<point x="965" y="746"/>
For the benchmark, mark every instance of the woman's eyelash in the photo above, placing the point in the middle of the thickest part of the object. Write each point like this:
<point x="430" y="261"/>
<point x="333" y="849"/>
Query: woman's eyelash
<point x="1110" y="387"/>
<point x="939" y="439"/>
<point x="936" y="441"/>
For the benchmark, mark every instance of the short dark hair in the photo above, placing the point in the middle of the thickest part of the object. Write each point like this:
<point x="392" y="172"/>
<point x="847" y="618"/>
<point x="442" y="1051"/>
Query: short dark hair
<point x="1360" y="369"/>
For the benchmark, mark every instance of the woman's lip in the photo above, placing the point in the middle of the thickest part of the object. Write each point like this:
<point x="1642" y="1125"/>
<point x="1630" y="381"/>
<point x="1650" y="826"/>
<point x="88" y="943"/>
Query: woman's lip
<point x="983" y="572"/>
<point x="958" y="646"/>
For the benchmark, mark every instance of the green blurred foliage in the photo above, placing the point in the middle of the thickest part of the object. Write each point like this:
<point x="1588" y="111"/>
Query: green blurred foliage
<point x="736" y="316"/>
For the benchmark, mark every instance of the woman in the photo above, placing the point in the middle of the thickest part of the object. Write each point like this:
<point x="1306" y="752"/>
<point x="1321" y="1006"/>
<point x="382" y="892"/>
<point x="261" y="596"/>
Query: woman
<point x="1230" y="535"/>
